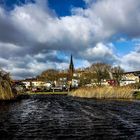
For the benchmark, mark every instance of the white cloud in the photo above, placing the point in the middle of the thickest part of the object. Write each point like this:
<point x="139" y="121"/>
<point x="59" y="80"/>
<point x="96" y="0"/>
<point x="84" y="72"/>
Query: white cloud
<point x="33" y="35"/>
<point x="100" y="53"/>
<point x="131" y="61"/>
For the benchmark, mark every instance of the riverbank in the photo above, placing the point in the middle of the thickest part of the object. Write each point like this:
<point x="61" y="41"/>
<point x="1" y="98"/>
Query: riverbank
<point x="46" y="93"/>
<point x="28" y="94"/>
<point x="137" y="95"/>
<point x="97" y="93"/>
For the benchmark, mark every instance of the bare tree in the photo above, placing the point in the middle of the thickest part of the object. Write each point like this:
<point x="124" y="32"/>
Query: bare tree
<point x="50" y="75"/>
<point x="100" y="72"/>
<point x="85" y="78"/>
<point x="117" y="74"/>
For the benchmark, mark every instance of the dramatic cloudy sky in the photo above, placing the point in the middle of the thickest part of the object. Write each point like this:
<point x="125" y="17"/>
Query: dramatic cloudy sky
<point x="36" y="35"/>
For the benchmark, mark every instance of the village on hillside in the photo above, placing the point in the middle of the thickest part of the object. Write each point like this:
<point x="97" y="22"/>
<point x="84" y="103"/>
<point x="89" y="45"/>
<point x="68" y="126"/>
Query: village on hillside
<point x="99" y="74"/>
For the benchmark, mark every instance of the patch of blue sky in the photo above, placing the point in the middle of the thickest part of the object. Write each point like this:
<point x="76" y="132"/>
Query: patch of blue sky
<point x="10" y="4"/>
<point x="63" y="56"/>
<point x="124" y="47"/>
<point x="80" y="63"/>
<point x="63" y="7"/>
<point x="123" y="44"/>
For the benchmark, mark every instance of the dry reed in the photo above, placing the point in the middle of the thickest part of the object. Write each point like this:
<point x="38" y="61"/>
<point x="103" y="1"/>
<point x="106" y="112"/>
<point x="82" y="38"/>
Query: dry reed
<point x="104" y="92"/>
<point x="5" y="90"/>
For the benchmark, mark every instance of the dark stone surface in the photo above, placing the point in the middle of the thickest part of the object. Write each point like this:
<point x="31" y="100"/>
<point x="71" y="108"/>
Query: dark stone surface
<point x="63" y="117"/>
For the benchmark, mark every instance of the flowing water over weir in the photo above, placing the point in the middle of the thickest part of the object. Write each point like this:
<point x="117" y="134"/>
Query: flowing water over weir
<point x="63" y="117"/>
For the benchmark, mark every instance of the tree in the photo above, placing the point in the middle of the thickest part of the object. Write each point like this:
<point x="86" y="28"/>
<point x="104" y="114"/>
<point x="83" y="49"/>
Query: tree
<point x="100" y="72"/>
<point x="50" y="75"/>
<point x="85" y="78"/>
<point x="117" y="74"/>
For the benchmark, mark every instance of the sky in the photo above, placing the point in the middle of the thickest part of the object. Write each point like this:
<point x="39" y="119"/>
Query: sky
<point x="36" y="35"/>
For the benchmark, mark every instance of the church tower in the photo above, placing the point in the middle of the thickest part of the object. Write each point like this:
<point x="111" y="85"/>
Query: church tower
<point x="71" y="68"/>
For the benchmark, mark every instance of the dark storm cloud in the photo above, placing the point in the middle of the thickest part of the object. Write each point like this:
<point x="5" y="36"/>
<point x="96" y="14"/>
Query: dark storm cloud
<point x="11" y="32"/>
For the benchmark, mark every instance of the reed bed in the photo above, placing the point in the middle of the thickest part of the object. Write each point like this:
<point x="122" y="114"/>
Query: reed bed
<point x="5" y="90"/>
<point x="104" y="92"/>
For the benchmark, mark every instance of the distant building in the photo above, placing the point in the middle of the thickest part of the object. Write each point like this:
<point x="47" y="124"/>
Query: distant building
<point x="31" y="83"/>
<point x="72" y="75"/>
<point x="130" y="78"/>
<point x="75" y="83"/>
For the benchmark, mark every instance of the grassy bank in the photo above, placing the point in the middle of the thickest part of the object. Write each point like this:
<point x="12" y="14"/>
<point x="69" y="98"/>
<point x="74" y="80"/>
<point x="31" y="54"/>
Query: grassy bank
<point x="104" y="92"/>
<point x="48" y="93"/>
<point x="137" y="95"/>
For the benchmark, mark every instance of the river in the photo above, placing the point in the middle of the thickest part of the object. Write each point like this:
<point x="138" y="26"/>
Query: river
<point x="53" y="117"/>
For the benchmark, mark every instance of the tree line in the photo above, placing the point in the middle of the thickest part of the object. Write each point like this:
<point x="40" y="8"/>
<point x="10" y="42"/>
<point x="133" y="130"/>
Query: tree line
<point x="99" y="72"/>
<point x="96" y="73"/>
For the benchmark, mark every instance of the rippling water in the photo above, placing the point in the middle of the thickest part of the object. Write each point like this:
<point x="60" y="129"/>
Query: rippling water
<point x="63" y="117"/>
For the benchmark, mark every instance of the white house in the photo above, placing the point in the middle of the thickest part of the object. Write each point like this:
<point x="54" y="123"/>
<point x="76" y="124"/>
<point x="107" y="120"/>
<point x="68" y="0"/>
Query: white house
<point x="129" y="78"/>
<point x="36" y="83"/>
<point x="27" y="84"/>
<point x="75" y="83"/>
<point x="127" y="82"/>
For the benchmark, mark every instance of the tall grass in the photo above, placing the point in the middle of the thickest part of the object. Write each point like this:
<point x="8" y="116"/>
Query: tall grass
<point x="104" y="92"/>
<point x="5" y="91"/>
<point x="5" y="87"/>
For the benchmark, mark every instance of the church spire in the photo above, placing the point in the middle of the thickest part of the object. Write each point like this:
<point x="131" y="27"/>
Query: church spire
<point x="71" y="66"/>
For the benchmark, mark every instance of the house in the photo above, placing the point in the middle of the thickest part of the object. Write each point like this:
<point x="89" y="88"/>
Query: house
<point x="27" y="84"/>
<point x="127" y="82"/>
<point x="75" y="83"/>
<point x="130" y="78"/>
<point x="34" y="83"/>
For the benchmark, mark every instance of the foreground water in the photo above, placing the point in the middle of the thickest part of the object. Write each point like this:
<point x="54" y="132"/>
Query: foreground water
<point x="63" y="117"/>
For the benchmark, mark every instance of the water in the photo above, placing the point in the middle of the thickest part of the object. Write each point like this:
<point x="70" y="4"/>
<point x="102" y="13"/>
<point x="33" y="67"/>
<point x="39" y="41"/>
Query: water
<point x="61" y="117"/>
